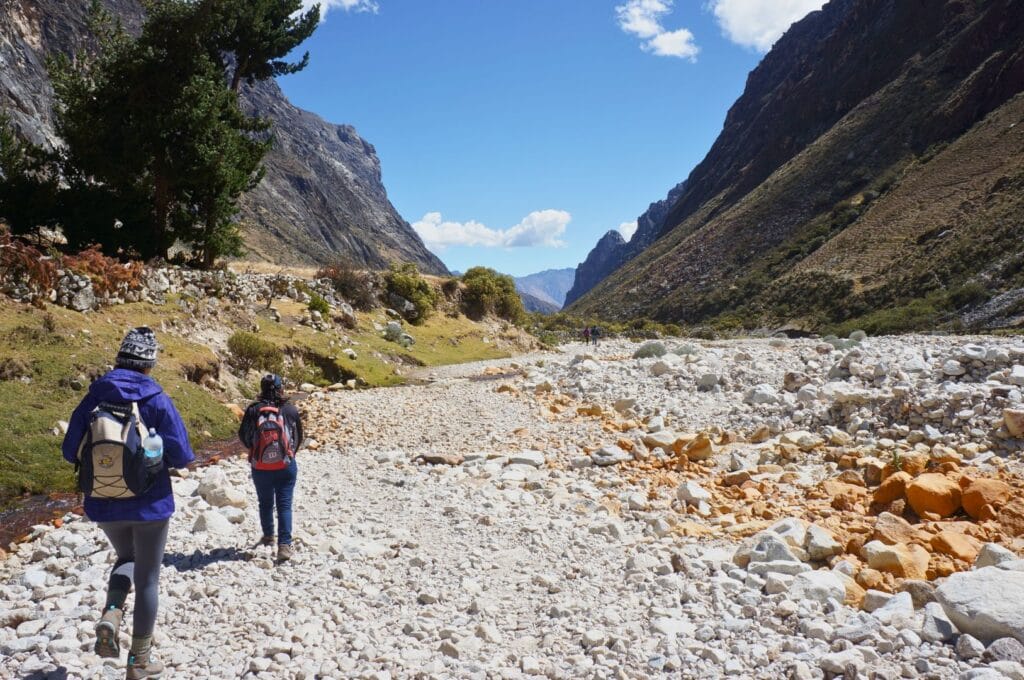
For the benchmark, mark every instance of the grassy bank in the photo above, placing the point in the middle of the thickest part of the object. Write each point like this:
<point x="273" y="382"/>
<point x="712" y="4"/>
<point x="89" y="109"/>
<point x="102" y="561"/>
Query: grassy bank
<point x="48" y="357"/>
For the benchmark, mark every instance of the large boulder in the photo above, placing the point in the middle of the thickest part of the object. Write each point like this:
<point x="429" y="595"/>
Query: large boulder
<point x="987" y="603"/>
<point x="934" y="494"/>
<point x="980" y="493"/>
<point x="893" y="488"/>
<point x="904" y="561"/>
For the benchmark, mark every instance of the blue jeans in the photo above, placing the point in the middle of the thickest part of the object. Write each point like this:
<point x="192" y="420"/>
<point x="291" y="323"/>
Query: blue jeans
<point x="276" y="487"/>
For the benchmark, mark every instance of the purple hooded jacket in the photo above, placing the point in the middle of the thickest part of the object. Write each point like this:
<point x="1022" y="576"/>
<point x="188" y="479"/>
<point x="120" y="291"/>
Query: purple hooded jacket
<point x="121" y="386"/>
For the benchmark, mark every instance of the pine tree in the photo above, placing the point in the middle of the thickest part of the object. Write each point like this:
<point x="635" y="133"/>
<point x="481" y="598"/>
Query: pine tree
<point x="257" y="34"/>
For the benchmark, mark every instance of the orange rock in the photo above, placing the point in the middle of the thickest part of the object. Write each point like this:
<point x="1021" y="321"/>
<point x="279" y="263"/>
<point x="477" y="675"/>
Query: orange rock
<point x="982" y="492"/>
<point x="855" y="543"/>
<point x="934" y="493"/>
<point x="906" y="561"/>
<point x="986" y="513"/>
<point x="892" y="530"/>
<point x="698" y="448"/>
<point x="844" y="496"/>
<point x="869" y="578"/>
<point x="957" y="545"/>
<point x="625" y="444"/>
<point x="854" y="593"/>
<point x="847" y="462"/>
<point x="1011" y="518"/>
<point x="236" y="411"/>
<point x="893" y="488"/>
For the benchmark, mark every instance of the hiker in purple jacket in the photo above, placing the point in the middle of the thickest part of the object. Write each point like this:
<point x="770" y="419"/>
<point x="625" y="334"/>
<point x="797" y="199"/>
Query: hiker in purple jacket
<point x="136" y="526"/>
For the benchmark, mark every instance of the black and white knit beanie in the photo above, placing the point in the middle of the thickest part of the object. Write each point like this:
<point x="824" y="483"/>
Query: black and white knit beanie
<point x="138" y="349"/>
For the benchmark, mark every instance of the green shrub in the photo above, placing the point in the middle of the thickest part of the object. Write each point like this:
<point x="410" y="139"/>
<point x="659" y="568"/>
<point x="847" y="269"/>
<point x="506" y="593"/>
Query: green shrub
<point x="488" y="292"/>
<point x="405" y="281"/>
<point x="249" y="351"/>
<point x="968" y="294"/>
<point x="355" y="286"/>
<point x="649" y="350"/>
<point x="450" y="288"/>
<point x="318" y="304"/>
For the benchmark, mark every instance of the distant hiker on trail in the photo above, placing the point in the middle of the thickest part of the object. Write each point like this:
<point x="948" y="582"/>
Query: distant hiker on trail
<point x="586" y="335"/>
<point x="122" y="438"/>
<point x="595" y="334"/>
<point x="272" y="431"/>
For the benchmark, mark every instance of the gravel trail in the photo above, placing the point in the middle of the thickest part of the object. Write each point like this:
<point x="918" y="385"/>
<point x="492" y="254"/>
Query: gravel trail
<point x="450" y="530"/>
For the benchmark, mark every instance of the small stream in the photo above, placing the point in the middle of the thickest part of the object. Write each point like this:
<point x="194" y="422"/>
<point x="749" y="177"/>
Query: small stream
<point x="16" y="522"/>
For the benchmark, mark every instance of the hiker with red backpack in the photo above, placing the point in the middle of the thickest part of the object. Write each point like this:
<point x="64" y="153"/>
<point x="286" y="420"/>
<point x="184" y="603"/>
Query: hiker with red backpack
<point x="122" y="438"/>
<point x="272" y="431"/>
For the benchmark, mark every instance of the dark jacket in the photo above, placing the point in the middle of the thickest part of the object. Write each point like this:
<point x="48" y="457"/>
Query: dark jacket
<point x="123" y="386"/>
<point x="292" y="420"/>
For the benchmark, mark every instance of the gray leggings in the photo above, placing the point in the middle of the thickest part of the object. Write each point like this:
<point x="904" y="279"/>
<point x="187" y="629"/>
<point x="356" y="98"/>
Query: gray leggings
<point x="140" y="552"/>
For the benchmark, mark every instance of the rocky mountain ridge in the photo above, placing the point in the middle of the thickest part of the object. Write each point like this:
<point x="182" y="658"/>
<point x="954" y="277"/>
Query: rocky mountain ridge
<point x="549" y="286"/>
<point x="322" y="195"/>
<point x="839" y="124"/>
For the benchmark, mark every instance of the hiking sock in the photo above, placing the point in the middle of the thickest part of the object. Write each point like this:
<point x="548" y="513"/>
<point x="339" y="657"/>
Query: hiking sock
<point x="141" y="645"/>
<point x="119" y="585"/>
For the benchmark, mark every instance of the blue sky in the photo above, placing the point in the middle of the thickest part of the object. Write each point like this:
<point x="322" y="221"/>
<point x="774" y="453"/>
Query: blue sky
<point x="513" y="134"/>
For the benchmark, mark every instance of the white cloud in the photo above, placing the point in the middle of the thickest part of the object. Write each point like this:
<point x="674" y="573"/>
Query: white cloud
<point x="539" y="228"/>
<point x="627" y="229"/>
<point x="674" y="44"/>
<point x="759" y="23"/>
<point x="347" y="5"/>
<point x="642" y="18"/>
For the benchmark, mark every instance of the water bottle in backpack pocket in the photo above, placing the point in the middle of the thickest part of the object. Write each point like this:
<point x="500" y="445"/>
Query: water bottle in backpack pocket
<point x="272" y="447"/>
<point x="153" y="446"/>
<point x="112" y="460"/>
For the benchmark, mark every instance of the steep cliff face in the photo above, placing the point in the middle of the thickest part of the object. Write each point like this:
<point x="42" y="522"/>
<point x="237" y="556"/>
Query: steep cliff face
<point x="836" y="125"/>
<point x="608" y="255"/>
<point x="322" y="195"/>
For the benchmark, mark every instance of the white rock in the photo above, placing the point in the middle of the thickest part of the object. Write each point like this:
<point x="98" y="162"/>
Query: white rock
<point x="532" y="458"/>
<point x="820" y="544"/>
<point x="987" y="603"/>
<point x="212" y="522"/>
<point x="897" y="612"/>
<point x="692" y="493"/>
<point x="818" y="586"/>
<point x="761" y="394"/>
<point x="839" y="662"/>
<point x="33" y="578"/>
<point x="937" y="627"/>
<point x="609" y="455"/>
<point x="992" y="554"/>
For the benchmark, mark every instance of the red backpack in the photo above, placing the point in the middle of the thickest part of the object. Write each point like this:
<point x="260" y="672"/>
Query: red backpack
<point x="271" y="448"/>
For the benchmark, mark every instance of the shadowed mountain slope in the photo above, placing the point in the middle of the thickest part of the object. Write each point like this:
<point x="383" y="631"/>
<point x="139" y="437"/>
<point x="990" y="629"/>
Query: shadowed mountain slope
<point x="322" y="195"/>
<point x="870" y="125"/>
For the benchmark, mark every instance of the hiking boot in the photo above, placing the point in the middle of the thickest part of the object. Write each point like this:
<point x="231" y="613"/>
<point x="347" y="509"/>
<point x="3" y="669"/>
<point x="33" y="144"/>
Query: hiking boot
<point x="142" y="666"/>
<point x="284" y="552"/>
<point x="267" y="541"/>
<point x="106" y="634"/>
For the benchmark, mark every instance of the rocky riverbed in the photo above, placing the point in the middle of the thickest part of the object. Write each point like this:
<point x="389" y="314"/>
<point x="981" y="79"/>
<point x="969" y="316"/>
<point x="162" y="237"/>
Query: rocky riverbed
<point x="706" y="510"/>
